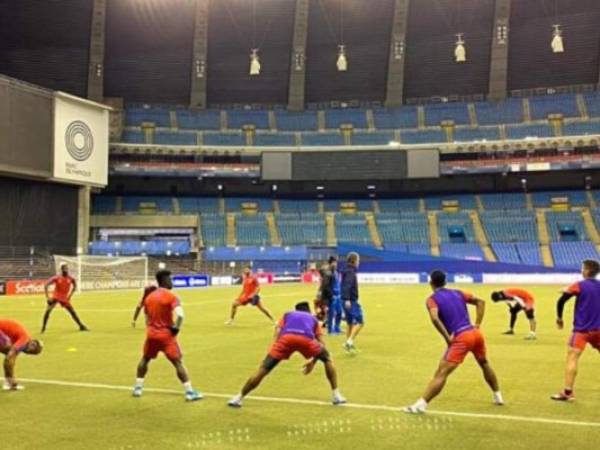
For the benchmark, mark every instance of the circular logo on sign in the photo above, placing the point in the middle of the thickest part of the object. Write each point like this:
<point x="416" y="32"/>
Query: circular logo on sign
<point x="79" y="140"/>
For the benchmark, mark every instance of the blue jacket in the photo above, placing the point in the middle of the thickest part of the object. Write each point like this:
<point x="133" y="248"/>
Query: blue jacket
<point x="336" y="285"/>
<point x="349" y="284"/>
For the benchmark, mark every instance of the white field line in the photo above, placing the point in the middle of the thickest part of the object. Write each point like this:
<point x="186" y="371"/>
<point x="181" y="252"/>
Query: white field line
<point x="530" y="419"/>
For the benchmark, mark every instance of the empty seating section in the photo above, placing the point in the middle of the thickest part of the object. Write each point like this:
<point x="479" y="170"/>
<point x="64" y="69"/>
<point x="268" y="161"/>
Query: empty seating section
<point x="213" y="230"/>
<point x="156" y="247"/>
<point x="423" y="137"/>
<point x="529" y="252"/>
<point x="403" y="204"/>
<point x="352" y="229"/>
<point x="581" y="128"/>
<point x="133" y="204"/>
<point x="395" y="228"/>
<point x="274" y="140"/>
<point x="503" y="201"/>
<point x="464" y="201"/>
<point x="252" y="230"/>
<point x="461" y="251"/>
<point x="544" y="199"/>
<point x="509" y="111"/>
<point x="296" y="121"/>
<point x="518" y="253"/>
<point x="175" y="138"/>
<point x="326" y="139"/>
<point x="299" y="206"/>
<point x="506" y="252"/>
<point x="375" y="138"/>
<point x="528" y="131"/>
<point x="160" y="117"/>
<point x="234" y="204"/>
<point x="455" y="227"/>
<point x="476" y="134"/>
<point x="406" y="117"/>
<point x="542" y="106"/>
<point x="133" y="137"/>
<point x="335" y="118"/>
<point x="209" y="119"/>
<point x="299" y="230"/>
<point x="278" y="267"/>
<point x="592" y="102"/>
<point x="456" y="112"/>
<point x="509" y="226"/>
<point x="237" y="119"/>
<point x="198" y="205"/>
<point x="570" y="254"/>
<point x="566" y="226"/>
<point x="104" y="204"/>
<point x="226" y="139"/>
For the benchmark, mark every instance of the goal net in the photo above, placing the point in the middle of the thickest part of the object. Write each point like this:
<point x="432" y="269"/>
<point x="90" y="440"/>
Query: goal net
<point x="94" y="273"/>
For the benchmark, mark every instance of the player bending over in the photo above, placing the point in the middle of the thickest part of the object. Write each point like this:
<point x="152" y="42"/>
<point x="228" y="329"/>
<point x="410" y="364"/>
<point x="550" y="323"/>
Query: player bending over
<point x="586" y="323"/>
<point x="449" y="315"/>
<point x="249" y="295"/>
<point x="298" y="331"/>
<point x="354" y="313"/>
<point x="518" y="300"/>
<point x="161" y="334"/>
<point x="14" y="339"/>
<point x="64" y="288"/>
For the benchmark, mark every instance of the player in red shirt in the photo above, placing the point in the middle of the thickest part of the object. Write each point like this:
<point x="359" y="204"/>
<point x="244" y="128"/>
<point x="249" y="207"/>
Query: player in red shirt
<point x="249" y="295"/>
<point x="161" y="334"/>
<point x="14" y="339"/>
<point x="518" y="300"/>
<point x="64" y="288"/>
<point x="138" y="309"/>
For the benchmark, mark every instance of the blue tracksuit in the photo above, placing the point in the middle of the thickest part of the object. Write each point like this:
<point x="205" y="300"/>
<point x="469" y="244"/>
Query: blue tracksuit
<point x="354" y="314"/>
<point x="334" y="315"/>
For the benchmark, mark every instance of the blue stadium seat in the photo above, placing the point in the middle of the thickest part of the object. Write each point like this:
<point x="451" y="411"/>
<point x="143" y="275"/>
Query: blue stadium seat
<point x="234" y="204"/>
<point x="335" y="118"/>
<point x="213" y="230"/>
<point x="296" y="121"/>
<point x="476" y="134"/>
<point x="252" y="230"/>
<point x="457" y="112"/>
<point x="465" y="201"/>
<point x="566" y="226"/>
<point x="198" y="205"/>
<point x="159" y="116"/>
<point x="405" y="117"/>
<point x="490" y="113"/>
<point x="352" y="229"/>
<point x="236" y="119"/>
<point x="423" y="137"/>
<point x="309" y="206"/>
<point x="324" y="139"/>
<point x="568" y="255"/>
<point x="295" y="230"/>
<point x="377" y="138"/>
<point x="274" y="140"/>
<point x="224" y="139"/>
<point x="503" y="201"/>
<point x="455" y="227"/>
<point x="592" y="102"/>
<point x="395" y="228"/>
<point x="581" y="128"/>
<point x="509" y="226"/>
<point x="462" y="251"/>
<point x="402" y="204"/>
<point x="544" y="199"/>
<point x="104" y="204"/>
<point x="209" y="119"/>
<point x="544" y="105"/>
<point x="175" y="138"/>
<point x="529" y="252"/>
<point x="133" y="137"/>
<point x="525" y="131"/>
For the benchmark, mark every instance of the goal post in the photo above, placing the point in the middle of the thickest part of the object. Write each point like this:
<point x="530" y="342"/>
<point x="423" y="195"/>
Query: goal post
<point x="95" y="273"/>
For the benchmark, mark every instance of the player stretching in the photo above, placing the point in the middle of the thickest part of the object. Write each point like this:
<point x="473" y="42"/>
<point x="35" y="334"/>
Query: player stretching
<point x="586" y="324"/>
<point x="518" y="300"/>
<point x="298" y="331"/>
<point x="64" y="288"/>
<point x="249" y="294"/>
<point x="161" y="334"/>
<point x="354" y="314"/>
<point x="15" y="339"/>
<point x="335" y="312"/>
<point x="449" y="315"/>
<point x="140" y="306"/>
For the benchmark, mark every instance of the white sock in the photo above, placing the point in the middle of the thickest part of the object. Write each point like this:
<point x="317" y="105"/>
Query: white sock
<point x="421" y="404"/>
<point x="337" y="393"/>
<point x="188" y="386"/>
<point x="349" y="341"/>
<point x="498" y="397"/>
<point x="238" y="398"/>
<point x="139" y="382"/>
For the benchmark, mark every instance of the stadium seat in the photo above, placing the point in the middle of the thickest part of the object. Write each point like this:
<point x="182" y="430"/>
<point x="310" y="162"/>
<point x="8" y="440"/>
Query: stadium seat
<point x="335" y="118"/>
<point x="436" y="114"/>
<point x="544" y="105"/>
<point x="252" y="230"/>
<point x="325" y="139"/>
<point x="430" y="136"/>
<point x="224" y="139"/>
<point x="136" y="116"/>
<point x="566" y="226"/>
<point x="491" y="113"/>
<point x="296" y="121"/>
<point x="274" y="140"/>
<point x="175" y="138"/>
<point x="133" y="137"/>
<point x="568" y="255"/>
<point x="528" y="131"/>
<point x="377" y="138"/>
<point x="581" y="128"/>
<point x="476" y="134"/>
<point x="209" y="119"/>
<point x="352" y="230"/>
<point x="405" y="117"/>
<point x="237" y="119"/>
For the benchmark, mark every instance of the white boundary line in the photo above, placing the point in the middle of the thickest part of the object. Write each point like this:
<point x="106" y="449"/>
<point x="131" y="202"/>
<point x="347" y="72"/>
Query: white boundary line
<point x="297" y="401"/>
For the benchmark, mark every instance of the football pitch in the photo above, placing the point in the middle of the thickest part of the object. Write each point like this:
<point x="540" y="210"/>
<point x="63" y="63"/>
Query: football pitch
<point x="78" y="391"/>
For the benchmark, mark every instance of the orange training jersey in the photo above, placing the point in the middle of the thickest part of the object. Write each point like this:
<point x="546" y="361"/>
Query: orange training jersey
<point x="62" y="287"/>
<point x="522" y="294"/>
<point x="250" y="285"/>
<point x="159" y="306"/>
<point x="16" y="333"/>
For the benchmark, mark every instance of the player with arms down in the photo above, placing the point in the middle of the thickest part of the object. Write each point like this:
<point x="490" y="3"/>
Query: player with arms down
<point x="586" y="323"/>
<point x="161" y="334"/>
<point x="298" y="331"/>
<point x="249" y="295"/>
<point x="518" y="300"/>
<point x="449" y="315"/>
<point x="14" y="340"/>
<point x="64" y="288"/>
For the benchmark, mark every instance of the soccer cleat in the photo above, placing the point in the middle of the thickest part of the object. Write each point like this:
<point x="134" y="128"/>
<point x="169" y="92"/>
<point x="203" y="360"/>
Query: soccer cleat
<point x="83" y="328"/>
<point x="339" y="400"/>
<point x="192" y="396"/>
<point x="498" y="400"/>
<point x="235" y="402"/>
<point x="509" y="332"/>
<point x="8" y="387"/>
<point x="530" y="337"/>
<point x="413" y="409"/>
<point x="563" y="397"/>
<point x="137" y="391"/>
<point x="229" y="322"/>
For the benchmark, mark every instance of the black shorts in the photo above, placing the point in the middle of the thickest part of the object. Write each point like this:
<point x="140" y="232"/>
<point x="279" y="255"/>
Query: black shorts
<point x="529" y="313"/>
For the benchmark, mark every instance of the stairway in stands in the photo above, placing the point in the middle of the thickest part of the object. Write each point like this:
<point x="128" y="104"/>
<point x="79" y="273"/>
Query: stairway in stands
<point x="544" y="238"/>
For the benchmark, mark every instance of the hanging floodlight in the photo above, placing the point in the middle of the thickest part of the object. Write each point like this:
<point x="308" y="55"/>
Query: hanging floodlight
<point x="557" y="40"/>
<point x="254" y="63"/>
<point x="460" y="52"/>
<point x="342" y="61"/>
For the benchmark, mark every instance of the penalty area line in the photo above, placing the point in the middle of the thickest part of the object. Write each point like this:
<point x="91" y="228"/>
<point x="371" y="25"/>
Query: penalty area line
<point x="530" y="419"/>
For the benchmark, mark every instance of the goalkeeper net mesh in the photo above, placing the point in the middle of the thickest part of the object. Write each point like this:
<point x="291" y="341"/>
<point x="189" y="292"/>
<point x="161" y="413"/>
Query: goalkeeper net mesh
<point x="94" y="273"/>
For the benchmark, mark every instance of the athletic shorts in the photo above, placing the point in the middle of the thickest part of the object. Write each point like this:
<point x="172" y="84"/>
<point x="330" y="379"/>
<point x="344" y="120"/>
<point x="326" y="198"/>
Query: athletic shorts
<point x="354" y="315"/>
<point x="162" y="342"/>
<point x="579" y="339"/>
<point x="529" y="311"/>
<point x="4" y="340"/>
<point x="63" y="303"/>
<point x="245" y="300"/>
<point x="288" y="344"/>
<point x="470" y="341"/>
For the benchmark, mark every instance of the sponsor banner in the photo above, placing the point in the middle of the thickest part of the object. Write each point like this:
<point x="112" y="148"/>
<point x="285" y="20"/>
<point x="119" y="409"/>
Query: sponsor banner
<point x="190" y="281"/>
<point x="311" y="277"/>
<point x="265" y="278"/>
<point x="221" y="281"/>
<point x="463" y="279"/>
<point x="105" y="285"/>
<point x="80" y="140"/>
<point x="389" y="278"/>
<point x="2" y="288"/>
<point x="287" y="279"/>
<point x="26" y="287"/>
<point x="531" y="278"/>
<point x="236" y="279"/>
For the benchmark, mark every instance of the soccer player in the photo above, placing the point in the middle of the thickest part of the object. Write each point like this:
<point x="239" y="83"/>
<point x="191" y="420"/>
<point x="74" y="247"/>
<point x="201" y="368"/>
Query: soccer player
<point x="586" y="323"/>
<point x="449" y="315"/>
<point x="353" y="309"/>
<point x="14" y="339"/>
<point x="140" y="306"/>
<point x="161" y="334"/>
<point x="325" y="293"/>
<point x="249" y="295"/>
<point x="518" y="300"/>
<point x="335" y="312"/>
<point x="298" y="331"/>
<point x="64" y="288"/>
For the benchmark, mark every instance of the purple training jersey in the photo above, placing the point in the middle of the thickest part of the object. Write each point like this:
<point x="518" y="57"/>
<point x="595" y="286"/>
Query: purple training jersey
<point x="299" y="323"/>
<point x="587" y="306"/>
<point x="452" y="309"/>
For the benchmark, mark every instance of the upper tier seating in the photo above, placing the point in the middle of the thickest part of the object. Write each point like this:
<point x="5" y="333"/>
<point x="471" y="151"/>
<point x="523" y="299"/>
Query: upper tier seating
<point x="134" y="117"/>
<point x="402" y="204"/>
<point x="209" y="119"/>
<point x="490" y="113"/>
<point x="352" y="229"/>
<point x="405" y="117"/>
<point x="234" y="204"/>
<point x="375" y="138"/>
<point x="395" y="228"/>
<point x="332" y="205"/>
<point x="455" y="227"/>
<point x="528" y="131"/>
<point x="544" y="199"/>
<point x="464" y="201"/>
<point x="457" y="112"/>
<point x="298" y="206"/>
<point x="570" y="254"/>
<point x="195" y="205"/>
<point x="302" y="231"/>
<point x="132" y="204"/>
<point x="252" y="230"/>
<point x="509" y="226"/>
<point x="236" y="119"/>
<point x="296" y="121"/>
<point x="326" y="139"/>
<point x="544" y="105"/>
<point x="566" y="226"/>
<point x="335" y="118"/>
<point x="503" y="201"/>
<point x="428" y="136"/>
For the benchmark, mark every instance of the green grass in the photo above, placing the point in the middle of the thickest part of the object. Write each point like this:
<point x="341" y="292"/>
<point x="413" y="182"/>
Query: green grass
<point x="400" y="351"/>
